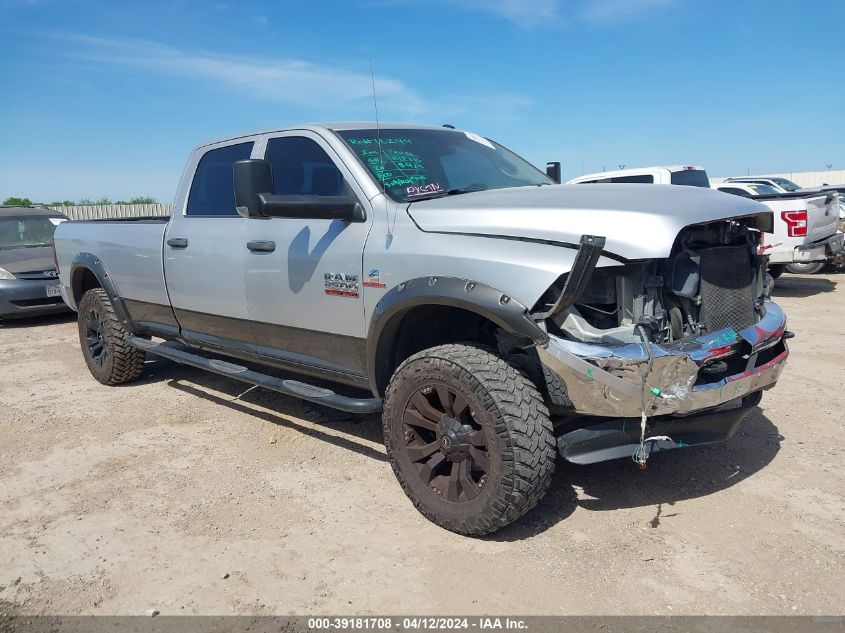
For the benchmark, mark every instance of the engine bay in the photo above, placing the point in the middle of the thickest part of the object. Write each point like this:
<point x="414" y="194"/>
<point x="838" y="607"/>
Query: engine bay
<point x="713" y="279"/>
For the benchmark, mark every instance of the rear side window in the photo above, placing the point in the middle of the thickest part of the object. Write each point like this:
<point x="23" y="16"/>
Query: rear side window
<point x="302" y="167"/>
<point x="213" y="190"/>
<point x="691" y="178"/>
<point x="645" y="179"/>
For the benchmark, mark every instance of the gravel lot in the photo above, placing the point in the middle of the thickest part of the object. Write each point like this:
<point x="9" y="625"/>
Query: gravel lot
<point x="173" y="493"/>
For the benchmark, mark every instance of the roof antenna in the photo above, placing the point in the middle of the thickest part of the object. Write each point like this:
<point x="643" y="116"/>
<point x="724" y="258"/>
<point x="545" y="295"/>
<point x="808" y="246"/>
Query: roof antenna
<point x="380" y="158"/>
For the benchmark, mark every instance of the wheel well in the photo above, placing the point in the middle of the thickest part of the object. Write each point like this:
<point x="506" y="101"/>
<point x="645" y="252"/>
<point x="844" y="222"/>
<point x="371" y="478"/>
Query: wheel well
<point x="83" y="280"/>
<point x="427" y="326"/>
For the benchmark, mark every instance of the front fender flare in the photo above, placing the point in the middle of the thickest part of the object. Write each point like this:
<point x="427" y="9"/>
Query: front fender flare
<point x="473" y="296"/>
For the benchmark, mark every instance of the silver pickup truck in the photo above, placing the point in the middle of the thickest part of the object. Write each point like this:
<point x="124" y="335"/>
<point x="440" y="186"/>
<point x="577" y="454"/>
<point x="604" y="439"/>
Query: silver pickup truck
<point x="496" y="317"/>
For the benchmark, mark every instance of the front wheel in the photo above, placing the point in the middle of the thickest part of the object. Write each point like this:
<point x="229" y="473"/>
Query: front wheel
<point x="810" y="268"/>
<point x="103" y="339"/>
<point x="469" y="438"/>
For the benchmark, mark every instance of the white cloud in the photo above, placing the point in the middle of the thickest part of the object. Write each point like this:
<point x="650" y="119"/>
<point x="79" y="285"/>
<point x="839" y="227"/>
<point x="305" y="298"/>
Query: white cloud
<point x="293" y="81"/>
<point x="322" y="89"/>
<point x="604" y="10"/>
<point x="548" y="13"/>
<point x="524" y="13"/>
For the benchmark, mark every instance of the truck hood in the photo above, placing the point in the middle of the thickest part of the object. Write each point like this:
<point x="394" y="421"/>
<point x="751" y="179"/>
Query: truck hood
<point x="639" y="221"/>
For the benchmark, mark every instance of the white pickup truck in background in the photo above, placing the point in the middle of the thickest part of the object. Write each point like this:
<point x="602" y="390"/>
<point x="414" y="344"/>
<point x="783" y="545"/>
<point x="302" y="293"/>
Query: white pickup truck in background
<point x="690" y="175"/>
<point x="806" y="236"/>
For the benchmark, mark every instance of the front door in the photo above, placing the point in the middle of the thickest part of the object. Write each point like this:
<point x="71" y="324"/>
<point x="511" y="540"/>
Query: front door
<point x="303" y="277"/>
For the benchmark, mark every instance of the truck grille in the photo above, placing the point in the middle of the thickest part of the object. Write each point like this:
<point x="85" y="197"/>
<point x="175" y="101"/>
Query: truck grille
<point x="727" y="298"/>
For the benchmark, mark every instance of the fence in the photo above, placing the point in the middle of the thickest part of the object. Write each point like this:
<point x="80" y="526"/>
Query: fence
<point x="106" y="211"/>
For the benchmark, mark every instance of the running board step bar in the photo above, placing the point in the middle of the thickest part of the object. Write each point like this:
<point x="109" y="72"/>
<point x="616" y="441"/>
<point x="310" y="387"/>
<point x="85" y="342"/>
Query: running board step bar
<point x="311" y="393"/>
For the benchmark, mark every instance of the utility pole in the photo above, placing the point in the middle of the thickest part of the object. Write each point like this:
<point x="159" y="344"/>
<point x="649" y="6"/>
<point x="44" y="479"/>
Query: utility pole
<point x="622" y="166"/>
<point x="829" y="165"/>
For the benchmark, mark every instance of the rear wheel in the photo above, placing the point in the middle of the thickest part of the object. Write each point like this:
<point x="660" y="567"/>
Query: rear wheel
<point x="103" y="339"/>
<point x="810" y="268"/>
<point x="469" y="438"/>
<point x="776" y="270"/>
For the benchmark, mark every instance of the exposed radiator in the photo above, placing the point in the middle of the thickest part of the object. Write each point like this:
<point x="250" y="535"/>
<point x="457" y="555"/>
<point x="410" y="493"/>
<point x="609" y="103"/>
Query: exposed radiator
<point x="726" y="292"/>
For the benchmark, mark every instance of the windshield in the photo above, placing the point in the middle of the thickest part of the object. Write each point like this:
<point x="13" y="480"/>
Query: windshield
<point x="23" y="232"/>
<point x="691" y="178"/>
<point x="414" y="164"/>
<point x="785" y="184"/>
<point x="763" y="190"/>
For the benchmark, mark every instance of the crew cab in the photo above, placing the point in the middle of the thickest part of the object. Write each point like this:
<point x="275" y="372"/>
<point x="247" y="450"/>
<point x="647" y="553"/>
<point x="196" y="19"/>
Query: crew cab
<point x="805" y="234"/>
<point x="494" y="317"/>
<point x="690" y="175"/>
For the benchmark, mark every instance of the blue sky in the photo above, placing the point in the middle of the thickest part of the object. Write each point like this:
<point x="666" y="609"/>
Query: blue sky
<point x="107" y="98"/>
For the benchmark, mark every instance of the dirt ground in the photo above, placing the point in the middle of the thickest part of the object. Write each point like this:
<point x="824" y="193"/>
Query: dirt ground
<point x="172" y="493"/>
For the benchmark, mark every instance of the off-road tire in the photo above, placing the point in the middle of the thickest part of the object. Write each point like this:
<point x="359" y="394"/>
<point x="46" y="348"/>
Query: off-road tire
<point x="121" y="362"/>
<point x="508" y="411"/>
<point x="810" y="268"/>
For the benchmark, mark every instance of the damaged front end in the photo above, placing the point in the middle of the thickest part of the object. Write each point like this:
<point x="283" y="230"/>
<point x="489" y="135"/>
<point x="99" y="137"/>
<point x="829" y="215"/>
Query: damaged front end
<point x="688" y="342"/>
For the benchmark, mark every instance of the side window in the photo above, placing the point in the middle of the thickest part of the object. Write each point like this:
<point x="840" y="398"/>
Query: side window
<point x="646" y="179"/>
<point x="213" y="191"/>
<point x="302" y="167"/>
<point x="735" y="191"/>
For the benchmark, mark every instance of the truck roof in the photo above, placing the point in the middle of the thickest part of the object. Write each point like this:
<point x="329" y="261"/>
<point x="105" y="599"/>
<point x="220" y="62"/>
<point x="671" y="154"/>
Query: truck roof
<point x="335" y="126"/>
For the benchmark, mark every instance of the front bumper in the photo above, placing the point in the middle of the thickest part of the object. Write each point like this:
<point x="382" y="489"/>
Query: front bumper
<point x="686" y="376"/>
<point x="614" y="438"/>
<point x="28" y="297"/>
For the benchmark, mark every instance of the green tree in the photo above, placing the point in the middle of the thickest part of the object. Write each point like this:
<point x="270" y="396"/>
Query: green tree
<point x="103" y="200"/>
<point x="17" y="202"/>
<point x="85" y="202"/>
<point x="142" y="200"/>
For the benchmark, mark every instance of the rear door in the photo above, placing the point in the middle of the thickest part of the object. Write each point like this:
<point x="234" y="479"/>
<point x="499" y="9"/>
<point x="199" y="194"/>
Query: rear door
<point x="204" y="251"/>
<point x="304" y="276"/>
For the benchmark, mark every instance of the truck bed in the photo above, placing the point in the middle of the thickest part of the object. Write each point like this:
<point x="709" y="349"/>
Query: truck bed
<point x="822" y="221"/>
<point x="130" y="250"/>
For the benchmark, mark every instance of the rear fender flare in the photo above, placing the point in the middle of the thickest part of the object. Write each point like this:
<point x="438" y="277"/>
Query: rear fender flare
<point x="93" y="264"/>
<point x="473" y="296"/>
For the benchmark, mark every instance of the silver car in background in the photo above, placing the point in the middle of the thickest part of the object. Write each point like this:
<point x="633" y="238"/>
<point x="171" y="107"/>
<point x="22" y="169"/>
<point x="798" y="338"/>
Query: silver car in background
<point x="29" y="283"/>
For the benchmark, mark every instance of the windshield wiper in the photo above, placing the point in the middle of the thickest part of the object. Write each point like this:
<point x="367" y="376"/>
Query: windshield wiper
<point x="33" y="245"/>
<point x="450" y="192"/>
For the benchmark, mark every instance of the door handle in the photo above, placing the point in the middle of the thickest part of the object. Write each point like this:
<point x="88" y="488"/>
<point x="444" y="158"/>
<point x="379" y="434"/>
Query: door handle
<point x="261" y="246"/>
<point x="177" y="242"/>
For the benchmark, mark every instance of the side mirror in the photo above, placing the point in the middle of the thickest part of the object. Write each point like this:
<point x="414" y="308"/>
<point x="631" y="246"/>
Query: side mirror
<point x="251" y="177"/>
<point x="311" y="207"/>
<point x="254" y="197"/>
<point x="553" y="171"/>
